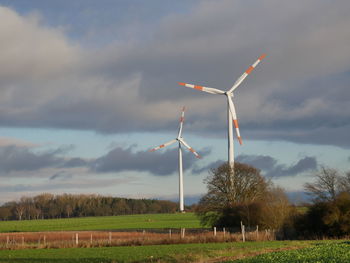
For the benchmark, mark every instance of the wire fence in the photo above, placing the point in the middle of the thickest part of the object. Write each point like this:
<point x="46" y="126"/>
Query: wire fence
<point x="63" y="239"/>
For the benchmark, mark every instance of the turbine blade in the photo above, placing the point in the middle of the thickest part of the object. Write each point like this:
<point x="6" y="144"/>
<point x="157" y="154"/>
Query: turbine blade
<point x="163" y="145"/>
<point x="202" y="88"/>
<point x="182" y="119"/>
<point x="190" y="148"/>
<point x="246" y="73"/>
<point x="234" y="117"/>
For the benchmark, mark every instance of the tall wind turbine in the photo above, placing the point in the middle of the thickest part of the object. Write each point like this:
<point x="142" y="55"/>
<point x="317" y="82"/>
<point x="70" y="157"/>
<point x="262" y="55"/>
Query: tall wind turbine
<point x="231" y="111"/>
<point x="180" y="141"/>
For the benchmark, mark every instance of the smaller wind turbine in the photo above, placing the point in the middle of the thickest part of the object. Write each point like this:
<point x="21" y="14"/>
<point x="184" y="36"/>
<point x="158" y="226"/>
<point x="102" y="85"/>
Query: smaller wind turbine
<point x="181" y="141"/>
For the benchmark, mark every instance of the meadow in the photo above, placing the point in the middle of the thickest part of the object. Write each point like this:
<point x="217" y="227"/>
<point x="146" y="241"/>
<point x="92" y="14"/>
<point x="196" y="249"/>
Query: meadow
<point x="215" y="252"/>
<point x="144" y="221"/>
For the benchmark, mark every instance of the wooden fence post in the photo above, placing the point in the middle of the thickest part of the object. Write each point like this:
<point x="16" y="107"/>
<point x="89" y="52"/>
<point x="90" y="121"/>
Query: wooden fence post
<point x="169" y="233"/>
<point x="257" y="232"/>
<point x="243" y="232"/>
<point x="76" y="238"/>
<point x="224" y="231"/>
<point x="183" y="232"/>
<point x="110" y="238"/>
<point x="44" y="240"/>
<point x="91" y="239"/>
<point x="23" y="241"/>
<point x="7" y="241"/>
<point x="214" y="231"/>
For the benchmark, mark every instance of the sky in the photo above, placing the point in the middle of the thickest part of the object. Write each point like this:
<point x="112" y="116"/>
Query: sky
<point x="88" y="87"/>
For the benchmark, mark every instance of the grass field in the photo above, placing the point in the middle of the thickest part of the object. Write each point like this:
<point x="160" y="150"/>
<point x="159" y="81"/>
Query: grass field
<point x="187" y="220"/>
<point x="336" y="252"/>
<point x="159" y="253"/>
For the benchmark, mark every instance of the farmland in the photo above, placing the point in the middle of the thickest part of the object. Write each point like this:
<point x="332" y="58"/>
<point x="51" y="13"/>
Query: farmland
<point x="320" y="252"/>
<point x="145" y="221"/>
<point x="162" y="253"/>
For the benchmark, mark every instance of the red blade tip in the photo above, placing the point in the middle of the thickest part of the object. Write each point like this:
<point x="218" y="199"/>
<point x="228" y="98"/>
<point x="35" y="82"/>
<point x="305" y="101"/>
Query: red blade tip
<point x="262" y="56"/>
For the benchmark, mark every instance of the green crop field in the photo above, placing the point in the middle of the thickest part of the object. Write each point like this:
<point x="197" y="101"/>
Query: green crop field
<point x="145" y="221"/>
<point x="158" y="253"/>
<point x="324" y="252"/>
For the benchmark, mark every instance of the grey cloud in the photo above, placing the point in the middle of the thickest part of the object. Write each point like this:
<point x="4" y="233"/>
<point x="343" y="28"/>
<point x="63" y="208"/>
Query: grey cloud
<point x="271" y="168"/>
<point x="23" y="159"/>
<point x="132" y="86"/>
<point x="157" y="163"/>
<point x="268" y="165"/>
<point x="14" y="158"/>
<point x="199" y="170"/>
<point x="75" y="162"/>
<point x="62" y="175"/>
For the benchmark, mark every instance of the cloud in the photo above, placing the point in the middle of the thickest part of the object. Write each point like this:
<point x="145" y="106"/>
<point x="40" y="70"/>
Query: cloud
<point x="271" y="168"/>
<point x="62" y="175"/>
<point x="75" y="162"/>
<point x="20" y="160"/>
<point x="156" y="163"/>
<point x="131" y="86"/>
<point x="199" y="170"/>
<point x="24" y="160"/>
<point x="14" y="158"/>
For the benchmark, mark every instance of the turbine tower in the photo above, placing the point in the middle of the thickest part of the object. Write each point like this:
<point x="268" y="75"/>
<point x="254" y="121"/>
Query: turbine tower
<point x="180" y="141"/>
<point x="231" y="111"/>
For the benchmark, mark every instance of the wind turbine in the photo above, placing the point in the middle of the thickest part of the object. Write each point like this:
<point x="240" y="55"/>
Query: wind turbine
<point x="231" y="111"/>
<point x="181" y="141"/>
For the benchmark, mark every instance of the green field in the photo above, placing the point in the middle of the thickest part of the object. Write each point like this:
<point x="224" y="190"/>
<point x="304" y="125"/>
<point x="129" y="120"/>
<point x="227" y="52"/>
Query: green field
<point x="336" y="252"/>
<point x="159" y="253"/>
<point x="187" y="220"/>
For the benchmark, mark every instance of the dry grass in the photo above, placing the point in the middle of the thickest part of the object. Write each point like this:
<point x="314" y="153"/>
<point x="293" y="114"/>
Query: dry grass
<point x="65" y="239"/>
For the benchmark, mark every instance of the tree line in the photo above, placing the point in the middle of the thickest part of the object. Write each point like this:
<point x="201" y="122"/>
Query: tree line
<point x="243" y="196"/>
<point x="47" y="205"/>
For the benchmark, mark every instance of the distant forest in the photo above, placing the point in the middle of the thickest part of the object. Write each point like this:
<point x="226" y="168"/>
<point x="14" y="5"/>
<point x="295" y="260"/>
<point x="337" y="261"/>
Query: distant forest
<point x="46" y="205"/>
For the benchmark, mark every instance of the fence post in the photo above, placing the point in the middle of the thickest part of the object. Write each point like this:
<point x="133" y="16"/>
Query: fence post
<point x="91" y="239"/>
<point x="183" y="232"/>
<point x="110" y="238"/>
<point x="224" y="231"/>
<point x="23" y="241"/>
<point x="44" y="240"/>
<point x="214" y="231"/>
<point x="169" y="233"/>
<point x="76" y="238"/>
<point x="243" y="233"/>
<point x="7" y="241"/>
<point x="257" y="232"/>
<point x="143" y="232"/>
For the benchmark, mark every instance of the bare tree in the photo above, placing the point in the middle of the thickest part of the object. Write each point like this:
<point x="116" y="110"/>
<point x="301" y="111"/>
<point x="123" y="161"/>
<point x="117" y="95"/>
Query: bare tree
<point x="19" y="210"/>
<point x="326" y="185"/>
<point x="275" y="209"/>
<point x="345" y="183"/>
